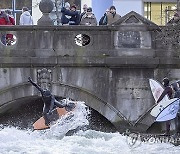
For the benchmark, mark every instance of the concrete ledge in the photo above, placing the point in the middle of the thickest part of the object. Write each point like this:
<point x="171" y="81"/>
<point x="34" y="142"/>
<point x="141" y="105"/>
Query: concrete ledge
<point x="142" y="62"/>
<point x="112" y="62"/>
<point x="169" y="62"/>
<point x="58" y="28"/>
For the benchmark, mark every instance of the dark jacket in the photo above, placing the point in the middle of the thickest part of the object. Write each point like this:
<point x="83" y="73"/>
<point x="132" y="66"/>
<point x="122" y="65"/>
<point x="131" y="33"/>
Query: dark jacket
<point x="81" y="15"/>
<point x="103" y="20"/>
<point x="49" y="100"/>
<point x="70" y="17"/>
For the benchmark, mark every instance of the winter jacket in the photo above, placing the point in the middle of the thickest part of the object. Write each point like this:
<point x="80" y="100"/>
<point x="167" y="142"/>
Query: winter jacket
<point x="89" y="20"/>
<point x="69" y="17"/>
<point x="12" y="21"/>
<point x="4" y="19"/>
<point x="111" y="18"/>
<point x="26" y="18"/>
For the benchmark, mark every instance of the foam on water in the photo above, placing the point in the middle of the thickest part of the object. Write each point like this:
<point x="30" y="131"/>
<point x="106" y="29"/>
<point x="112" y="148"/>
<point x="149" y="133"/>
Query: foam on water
<point x="52" y="141"/>
<point x="16" y="141"/>
<point x="70" y="121"/>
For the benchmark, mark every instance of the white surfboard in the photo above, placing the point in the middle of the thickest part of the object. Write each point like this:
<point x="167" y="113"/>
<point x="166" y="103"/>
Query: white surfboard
<point x="170" y="111"/>
<point x="157" y="89"/>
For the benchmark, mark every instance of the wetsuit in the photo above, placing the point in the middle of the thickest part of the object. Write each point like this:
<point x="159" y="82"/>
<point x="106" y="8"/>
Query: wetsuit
<point x="167" y="91"/>
<point x="49" y="101"/>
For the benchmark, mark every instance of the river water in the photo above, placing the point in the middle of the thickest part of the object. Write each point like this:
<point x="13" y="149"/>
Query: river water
<point x="14" y="140"/>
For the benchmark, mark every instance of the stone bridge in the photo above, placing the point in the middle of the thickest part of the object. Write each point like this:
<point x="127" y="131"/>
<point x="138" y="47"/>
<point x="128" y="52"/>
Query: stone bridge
<point x="107" y="67"/>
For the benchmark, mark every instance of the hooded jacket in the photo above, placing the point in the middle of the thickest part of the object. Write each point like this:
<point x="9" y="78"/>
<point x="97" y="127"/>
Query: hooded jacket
<point x="26" y="18"/>
<point x="4" y="19"/>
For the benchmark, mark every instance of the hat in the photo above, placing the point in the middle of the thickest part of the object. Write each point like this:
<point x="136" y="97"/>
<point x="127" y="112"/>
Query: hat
<point x="89" y="9"/>
<point x="47" y="93"/>
<point x="166" y="81"/>
<point x="112" y="7"/>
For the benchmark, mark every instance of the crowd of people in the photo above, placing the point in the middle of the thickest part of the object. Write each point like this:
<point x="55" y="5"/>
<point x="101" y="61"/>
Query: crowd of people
<point x="69" y="16"/>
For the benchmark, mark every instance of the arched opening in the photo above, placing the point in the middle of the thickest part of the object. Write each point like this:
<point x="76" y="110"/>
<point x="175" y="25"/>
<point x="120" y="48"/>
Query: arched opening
<point x="26" y="112"/>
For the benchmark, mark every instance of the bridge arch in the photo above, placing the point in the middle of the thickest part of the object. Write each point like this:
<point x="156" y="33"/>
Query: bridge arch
<point x="24" y="92"/>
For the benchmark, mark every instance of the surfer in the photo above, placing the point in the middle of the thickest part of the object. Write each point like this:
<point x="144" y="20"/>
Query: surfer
<point x="50" y="102"/>
<point x="175" y="86"/>
<point x="167" y="91"/>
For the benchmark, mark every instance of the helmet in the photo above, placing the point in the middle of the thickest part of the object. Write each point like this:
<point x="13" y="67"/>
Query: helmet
<point x="47" y="93"/>
<point x="165" y="81"/>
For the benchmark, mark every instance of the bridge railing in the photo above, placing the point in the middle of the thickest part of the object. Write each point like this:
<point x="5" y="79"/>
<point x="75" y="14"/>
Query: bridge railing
<point x="39" y="41"/>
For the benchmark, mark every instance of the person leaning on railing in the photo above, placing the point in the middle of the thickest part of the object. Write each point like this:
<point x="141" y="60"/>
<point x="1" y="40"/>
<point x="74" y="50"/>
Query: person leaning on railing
<point x="89" y="18"/>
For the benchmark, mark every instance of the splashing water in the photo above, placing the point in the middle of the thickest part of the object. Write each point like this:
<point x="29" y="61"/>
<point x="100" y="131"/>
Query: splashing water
<point x="70" y="121"/>
<point x="52" y="141"/>
<point x="15" y="141"/>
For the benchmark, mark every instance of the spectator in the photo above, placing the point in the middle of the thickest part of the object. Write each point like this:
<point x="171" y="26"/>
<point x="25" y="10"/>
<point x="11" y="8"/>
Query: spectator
<point x="112" y="16"/>
<point x="84" y="11"/>
<point x="4" y="19"/>
<point x="26" y="18"/>
<point x="75" y="16"/>
<point x="89" y="18"/>
<point x="50" y="102"/>
<point x="103" y="20"/>
<point x="11" y="18"/>
<point x="70" y="17"/>
<point x="64" y="17"/>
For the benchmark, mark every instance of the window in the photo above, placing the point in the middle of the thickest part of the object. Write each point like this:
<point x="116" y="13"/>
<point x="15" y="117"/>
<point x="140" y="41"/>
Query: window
<point x="159" y="13"/>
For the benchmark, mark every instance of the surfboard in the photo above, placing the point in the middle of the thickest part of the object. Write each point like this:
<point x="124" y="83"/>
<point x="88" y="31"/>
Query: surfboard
<point x="170" y="111"/>
<point x="157" y="89"/>
<point x="56" y="114"/>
